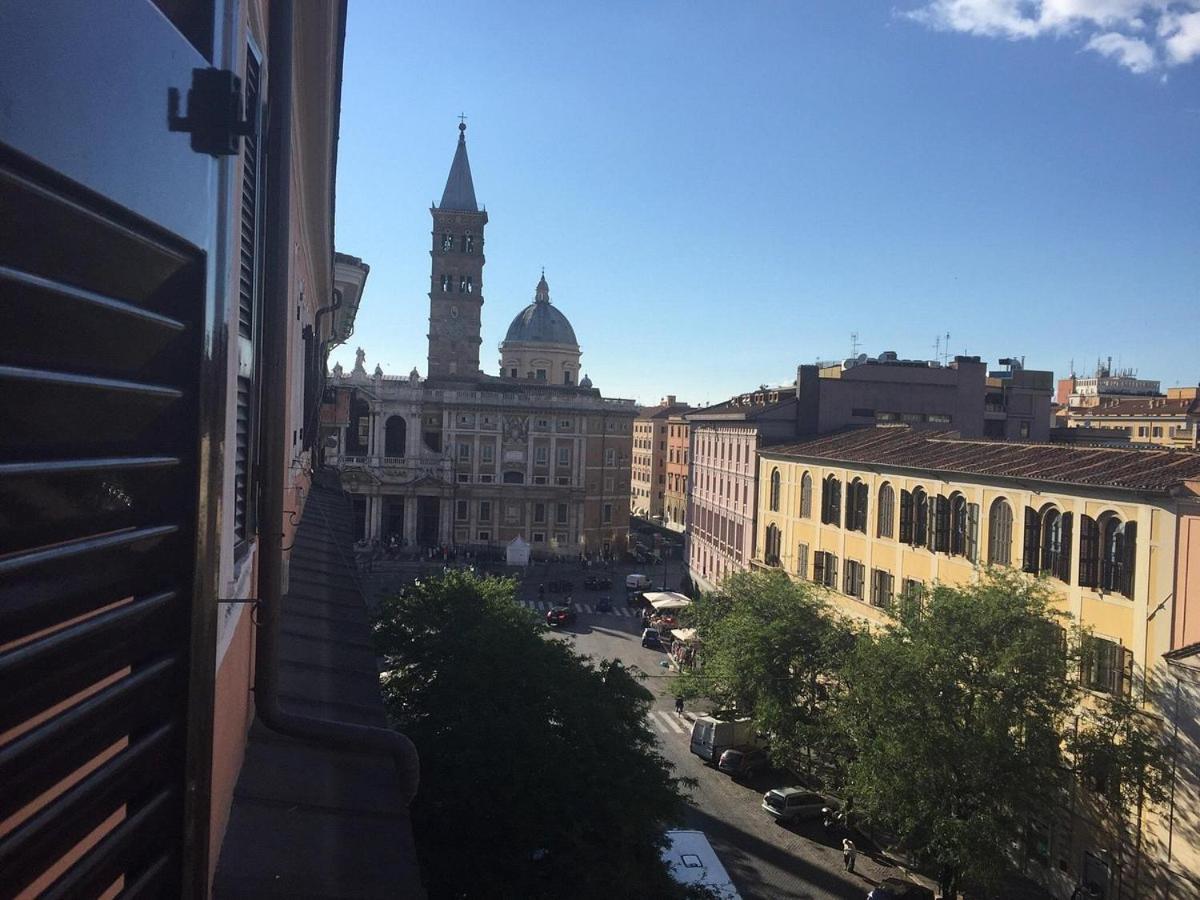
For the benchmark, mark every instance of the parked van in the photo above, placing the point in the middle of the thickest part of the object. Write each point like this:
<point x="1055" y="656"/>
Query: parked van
<point x="691" y="859"/>
<point x="711" y="737"/>
<point x="637" y="582"/>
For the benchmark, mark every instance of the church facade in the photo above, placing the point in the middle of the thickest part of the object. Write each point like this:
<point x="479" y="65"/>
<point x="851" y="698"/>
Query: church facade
<point x="465" y="459"/>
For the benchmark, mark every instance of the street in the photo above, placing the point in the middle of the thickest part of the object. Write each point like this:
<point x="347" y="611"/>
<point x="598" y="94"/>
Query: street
<point x="765" y="860"/>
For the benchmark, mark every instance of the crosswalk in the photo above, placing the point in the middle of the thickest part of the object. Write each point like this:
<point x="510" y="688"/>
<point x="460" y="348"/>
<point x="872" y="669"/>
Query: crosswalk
<point x="589" y="608"/>
<point x="668" y="723"/>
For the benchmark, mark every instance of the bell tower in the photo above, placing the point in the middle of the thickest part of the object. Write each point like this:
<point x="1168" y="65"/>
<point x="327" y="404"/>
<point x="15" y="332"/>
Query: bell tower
<point x="456" y="274"/>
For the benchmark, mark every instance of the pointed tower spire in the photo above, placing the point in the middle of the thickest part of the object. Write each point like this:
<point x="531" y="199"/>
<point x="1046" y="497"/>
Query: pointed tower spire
<point x="460" y="190"/>
<point x="542" y="292"/>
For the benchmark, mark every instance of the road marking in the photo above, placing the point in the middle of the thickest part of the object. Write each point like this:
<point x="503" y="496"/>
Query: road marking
<point x="669" y="719"/>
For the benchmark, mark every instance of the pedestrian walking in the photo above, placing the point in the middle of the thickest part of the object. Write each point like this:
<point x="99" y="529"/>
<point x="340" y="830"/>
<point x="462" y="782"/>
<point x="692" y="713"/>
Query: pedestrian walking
<point x="679" y="706"/>
<point x="849" y="852"/>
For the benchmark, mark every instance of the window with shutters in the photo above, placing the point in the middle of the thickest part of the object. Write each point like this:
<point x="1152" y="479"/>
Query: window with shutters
<point x="249" y="289"/>
<point x="774" y="496"/>
<point x="802" y="561"/>
<point x="806" y="487"/>
<point x="853" y="581"/>
<point x="1106" y="667"/>
<point x="831" y="501"/>
<point x="1089" y="552"/>
<point x="958" y="525"/>
<point x="920" y="528"/>
<point x="940" y="537"/>
<point x="1000" y="522"/>
<point x="771" y="550"/>
<point x="973" y="532"/>
<point x="1031" y="545"/>
<point x="882" y="589"/>
<point x="856" y="506"/>
<point x="1056" y="543"/>
<point x="906" y="517"/>
<point x="885" y="512"/>
<point x="1119" y="549"/>
<point x="912" y="598"/>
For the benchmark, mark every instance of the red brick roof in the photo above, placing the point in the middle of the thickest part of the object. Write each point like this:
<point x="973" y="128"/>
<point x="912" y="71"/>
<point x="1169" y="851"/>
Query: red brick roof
<point x="1155" y="470"/>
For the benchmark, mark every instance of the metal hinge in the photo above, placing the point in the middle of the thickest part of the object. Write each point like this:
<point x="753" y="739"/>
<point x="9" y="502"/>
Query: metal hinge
<point x="214" y="112"/>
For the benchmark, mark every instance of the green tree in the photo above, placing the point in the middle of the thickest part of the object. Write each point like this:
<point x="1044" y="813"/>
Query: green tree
<point x="539" y="774"/>
<point x="771" y="649"/>
<point x="956" y="716"/>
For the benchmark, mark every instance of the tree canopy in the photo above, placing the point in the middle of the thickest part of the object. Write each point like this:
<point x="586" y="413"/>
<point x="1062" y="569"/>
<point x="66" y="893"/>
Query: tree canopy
<point x="539" y="772"/>
<point x="771" y="648"/>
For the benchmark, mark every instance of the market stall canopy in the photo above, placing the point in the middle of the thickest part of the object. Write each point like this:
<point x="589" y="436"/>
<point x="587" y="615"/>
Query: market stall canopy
<point x="687" y="635"/>
<point x="661" y="600"/>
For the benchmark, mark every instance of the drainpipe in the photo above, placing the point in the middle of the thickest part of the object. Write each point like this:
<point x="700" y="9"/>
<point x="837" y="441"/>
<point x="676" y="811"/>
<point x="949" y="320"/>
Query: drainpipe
<point x="276" y="434"/>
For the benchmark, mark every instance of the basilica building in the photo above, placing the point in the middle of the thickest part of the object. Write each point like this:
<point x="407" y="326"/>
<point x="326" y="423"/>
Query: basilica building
<point x="466" y="459"/>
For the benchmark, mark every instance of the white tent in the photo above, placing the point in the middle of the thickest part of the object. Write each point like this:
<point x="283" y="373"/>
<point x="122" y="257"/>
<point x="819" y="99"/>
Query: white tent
<point x="662" y="600"/>
<point x="686" y="635"/>
<point x="518" y="552"/>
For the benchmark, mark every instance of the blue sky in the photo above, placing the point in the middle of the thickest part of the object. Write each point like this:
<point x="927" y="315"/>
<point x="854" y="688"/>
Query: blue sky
<point x="721" y="191"/>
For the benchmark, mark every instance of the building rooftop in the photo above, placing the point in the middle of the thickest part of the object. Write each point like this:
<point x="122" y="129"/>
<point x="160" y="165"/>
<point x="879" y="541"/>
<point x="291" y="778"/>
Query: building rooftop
<point x="1153" y="470"/>
<point x="748" y="405"/>
<point x="1140" y="407"/>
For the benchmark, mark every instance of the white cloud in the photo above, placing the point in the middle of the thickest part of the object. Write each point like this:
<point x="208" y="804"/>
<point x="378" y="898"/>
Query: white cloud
<point x="1117" y="29"/>
<point x="1133" y="53"/>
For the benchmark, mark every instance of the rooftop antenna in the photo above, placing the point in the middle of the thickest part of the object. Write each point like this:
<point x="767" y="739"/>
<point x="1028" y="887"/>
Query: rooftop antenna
<point x="947" y="359"/>
<point x="937" y="348"/>
<point x="854" y="343"/>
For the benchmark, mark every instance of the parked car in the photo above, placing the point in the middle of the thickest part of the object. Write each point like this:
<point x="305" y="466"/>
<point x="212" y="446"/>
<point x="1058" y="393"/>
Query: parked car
<point x="604" y="604"/>
<point x="742" y="762"/>
<point x="560" y="615"/>
<point x="650" y="638"/>
<point x="790" y="803"/>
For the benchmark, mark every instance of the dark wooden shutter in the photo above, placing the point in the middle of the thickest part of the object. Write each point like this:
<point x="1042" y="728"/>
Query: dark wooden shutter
<point x="832" y="571"/>
<point x="1089" y="552"/>
<point x="819" y="567"/>
<point x="906" y="517"/>
<point x="1124" y="670"/>
<point x="973" y="532"/>
<point x="941" y="530"/>
<point x="1062" y="567"/>
<point x="248" y="325"/>
<point x="1031" y="553"/>
<point x="1130" y="554"/>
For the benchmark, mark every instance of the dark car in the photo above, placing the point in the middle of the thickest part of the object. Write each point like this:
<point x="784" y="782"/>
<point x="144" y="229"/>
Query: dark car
<point x="650" y="638"/>
<point x="560" y="615"/>
<point x="604" y="604"/>
<point x="742" y="762"/>
<point x="589" y="583"/>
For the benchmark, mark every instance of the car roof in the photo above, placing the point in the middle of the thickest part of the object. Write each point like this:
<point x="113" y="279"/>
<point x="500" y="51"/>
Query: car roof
<point x="791" y="791"/>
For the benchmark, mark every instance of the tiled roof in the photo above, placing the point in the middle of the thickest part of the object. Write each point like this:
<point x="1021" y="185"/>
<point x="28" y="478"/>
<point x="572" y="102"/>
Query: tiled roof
<point x="1154" y="470"/>
<point x="664" y="411"/>
<point x="1141" y="407"/>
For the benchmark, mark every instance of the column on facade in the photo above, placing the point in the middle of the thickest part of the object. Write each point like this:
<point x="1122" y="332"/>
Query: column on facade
<point x="445" y="521"/>
<point x="374" y="516"/>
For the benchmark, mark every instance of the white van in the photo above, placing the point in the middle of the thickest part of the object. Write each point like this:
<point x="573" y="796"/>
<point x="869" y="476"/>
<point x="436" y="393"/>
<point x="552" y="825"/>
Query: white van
<point x="691" y="860"/>
<point x="637" y="582"/>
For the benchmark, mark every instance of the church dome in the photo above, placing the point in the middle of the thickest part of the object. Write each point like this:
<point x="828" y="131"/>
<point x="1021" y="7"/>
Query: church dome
<point x="541" y="323"/>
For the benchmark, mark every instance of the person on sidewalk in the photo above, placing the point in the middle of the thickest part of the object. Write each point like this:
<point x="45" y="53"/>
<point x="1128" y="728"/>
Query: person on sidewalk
<point x="679" y="706"/>
<point x="849" y="852"/>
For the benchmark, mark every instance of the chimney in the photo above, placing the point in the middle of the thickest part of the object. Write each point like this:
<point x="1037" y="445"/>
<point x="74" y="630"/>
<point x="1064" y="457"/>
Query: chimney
<point x="670" y="401"/>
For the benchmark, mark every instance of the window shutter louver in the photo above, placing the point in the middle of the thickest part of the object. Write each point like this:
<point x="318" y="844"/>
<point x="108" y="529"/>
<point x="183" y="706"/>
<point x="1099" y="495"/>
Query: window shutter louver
<point x="1130" y="553"/>
<point x="906" y="517"/>
<point x="1089" y="551"/>
<point x="973" y="532"/>
<point x="1032" y="548"/>
<point x="1062" y="569"/>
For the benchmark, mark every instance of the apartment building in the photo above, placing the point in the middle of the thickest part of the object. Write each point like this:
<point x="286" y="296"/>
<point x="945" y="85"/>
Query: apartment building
<point x="651" y="455"/>
<point x="167" y="254"/>
<point x="877" y="516"/>
<point x="1170" y="421"/>
<point x="675" y="499"/>
<point x="1012" y="403"/>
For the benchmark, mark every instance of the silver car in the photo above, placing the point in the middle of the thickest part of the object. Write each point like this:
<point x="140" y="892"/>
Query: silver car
<point x="789" y="803"/>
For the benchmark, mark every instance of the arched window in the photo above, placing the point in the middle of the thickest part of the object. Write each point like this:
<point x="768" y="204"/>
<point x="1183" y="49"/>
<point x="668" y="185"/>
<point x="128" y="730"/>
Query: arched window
<point x="1000" y="522"/>
<point x="775" y="490"/>
<point x="887" y="499"/>
<point x="806" y="496"/>
<point x="958" y="525"/>
<point x="395" y="434"/>
<point x="831" y="501"/>
<point x="771" y="551"/>
<point x="856" y="506"/>
<point x="1048" y="542"/>
<point x="920" y="529"/>
<point x="1120" y="551"/>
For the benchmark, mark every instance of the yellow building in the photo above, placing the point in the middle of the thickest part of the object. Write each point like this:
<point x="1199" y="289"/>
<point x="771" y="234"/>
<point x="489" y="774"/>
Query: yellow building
<point x="1170" y="421"/>
<point x="878" y="515"/>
